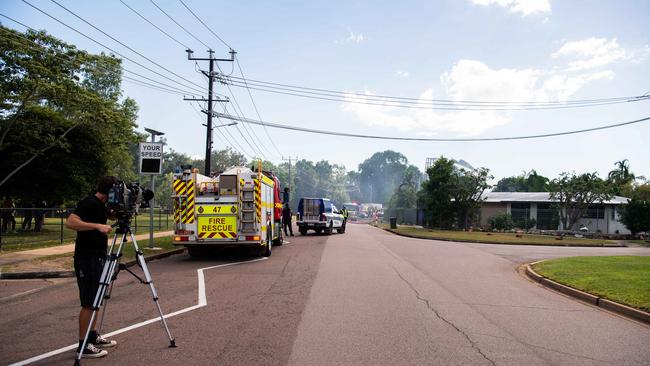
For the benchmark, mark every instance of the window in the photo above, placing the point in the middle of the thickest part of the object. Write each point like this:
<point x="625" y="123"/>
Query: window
<point x="595" y="212"/>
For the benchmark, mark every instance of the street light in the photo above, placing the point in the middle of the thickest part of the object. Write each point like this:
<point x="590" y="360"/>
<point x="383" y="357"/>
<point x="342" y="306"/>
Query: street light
<point x="153" y="133"/>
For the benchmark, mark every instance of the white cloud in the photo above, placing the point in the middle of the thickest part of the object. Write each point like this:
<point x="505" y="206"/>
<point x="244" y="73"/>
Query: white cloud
<point x="472" y="80"/>
<point x="597" y="52"/>
<point x="525" y="7"/>
<point x="355" y="37"/>
<point x="402" y="74"/>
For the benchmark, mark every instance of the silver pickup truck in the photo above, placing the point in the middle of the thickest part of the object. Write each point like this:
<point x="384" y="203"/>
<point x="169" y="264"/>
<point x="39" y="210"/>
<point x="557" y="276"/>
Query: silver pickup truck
<point x="320" y="215"/>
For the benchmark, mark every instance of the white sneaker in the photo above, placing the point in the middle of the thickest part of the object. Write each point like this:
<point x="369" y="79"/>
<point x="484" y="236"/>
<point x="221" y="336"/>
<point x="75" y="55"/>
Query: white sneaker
<point x="92" y="352"/>
<point x="101" y="342"/>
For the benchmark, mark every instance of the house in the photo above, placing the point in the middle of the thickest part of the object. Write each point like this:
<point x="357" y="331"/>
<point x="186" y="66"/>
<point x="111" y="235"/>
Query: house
<point x="524" y="206"/>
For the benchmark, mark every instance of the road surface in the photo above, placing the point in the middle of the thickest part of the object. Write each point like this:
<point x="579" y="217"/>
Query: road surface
<point x="366" y="297"/>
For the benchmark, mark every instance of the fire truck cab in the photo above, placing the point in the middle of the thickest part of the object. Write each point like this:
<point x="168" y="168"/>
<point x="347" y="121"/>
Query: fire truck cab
<point x="237" y="208"/>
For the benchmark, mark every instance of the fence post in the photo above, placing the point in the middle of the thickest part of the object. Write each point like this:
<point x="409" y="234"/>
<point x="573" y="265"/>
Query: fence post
<point x="61" y="227"/>
<point x="159" y="219"/>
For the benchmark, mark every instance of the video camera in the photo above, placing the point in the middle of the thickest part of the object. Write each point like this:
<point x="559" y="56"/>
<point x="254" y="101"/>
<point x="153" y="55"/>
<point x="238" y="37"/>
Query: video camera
<point x="125" y="199"/>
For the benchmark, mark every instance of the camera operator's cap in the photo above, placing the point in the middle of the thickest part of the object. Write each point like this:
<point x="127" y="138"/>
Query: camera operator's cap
<point x="106" y="183"/>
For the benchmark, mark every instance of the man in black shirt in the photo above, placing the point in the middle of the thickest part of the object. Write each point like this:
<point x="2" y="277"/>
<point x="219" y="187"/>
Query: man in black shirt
<point x="89" y="221"/>
<point x="286" y="220"/>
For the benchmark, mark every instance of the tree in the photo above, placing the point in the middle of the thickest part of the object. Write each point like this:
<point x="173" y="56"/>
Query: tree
<point x="621" y="178"/>
<point x="380" y="174"/>
<point x="575" y="193"/>
<point x="405" y="195"/>
<point x="436" y="193"/>
<point x="527" y="182"/>
<point x="636" y="215"/>
<point x="467" y="192"/>
<point x="62" y="115"/>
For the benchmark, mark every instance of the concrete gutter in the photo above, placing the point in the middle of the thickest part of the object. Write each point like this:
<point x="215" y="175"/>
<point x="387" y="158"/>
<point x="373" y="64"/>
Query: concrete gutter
<point x="587" y="297"/>
<point x="63" y="274"/>
<point x="559" y="244"/>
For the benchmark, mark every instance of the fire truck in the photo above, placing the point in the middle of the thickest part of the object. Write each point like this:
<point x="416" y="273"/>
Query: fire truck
<point x="237" y="208"/>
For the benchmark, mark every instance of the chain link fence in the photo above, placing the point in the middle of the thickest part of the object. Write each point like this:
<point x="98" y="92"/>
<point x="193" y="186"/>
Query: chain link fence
<point x="46" y="226"/>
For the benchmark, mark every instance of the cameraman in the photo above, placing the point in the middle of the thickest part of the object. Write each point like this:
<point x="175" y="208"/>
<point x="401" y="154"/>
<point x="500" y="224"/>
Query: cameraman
<point x="89" y="221"/>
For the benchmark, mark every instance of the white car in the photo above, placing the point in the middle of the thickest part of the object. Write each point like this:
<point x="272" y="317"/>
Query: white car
<point x="320" y="215"/>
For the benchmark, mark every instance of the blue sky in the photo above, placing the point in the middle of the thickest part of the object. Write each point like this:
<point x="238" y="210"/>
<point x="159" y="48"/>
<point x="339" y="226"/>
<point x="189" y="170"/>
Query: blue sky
<point x="488" y="50"/>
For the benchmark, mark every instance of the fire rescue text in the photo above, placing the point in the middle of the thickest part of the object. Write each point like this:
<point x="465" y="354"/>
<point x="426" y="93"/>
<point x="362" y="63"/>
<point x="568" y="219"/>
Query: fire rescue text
<point x="218" y="224"/>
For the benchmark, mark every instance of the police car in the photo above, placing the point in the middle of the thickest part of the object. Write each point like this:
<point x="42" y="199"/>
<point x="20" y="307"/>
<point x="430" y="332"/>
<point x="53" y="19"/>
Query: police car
<point x="320" y="215"/>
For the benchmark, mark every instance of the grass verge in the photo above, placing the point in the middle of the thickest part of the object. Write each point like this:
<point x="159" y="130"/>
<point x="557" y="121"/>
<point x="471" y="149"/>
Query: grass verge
<point x="64" y="262"/>
<point x="624" y="279"/>
<point x="496" y="238"/>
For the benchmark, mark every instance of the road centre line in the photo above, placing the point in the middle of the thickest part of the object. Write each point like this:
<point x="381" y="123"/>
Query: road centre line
<point x="202" y="301"/>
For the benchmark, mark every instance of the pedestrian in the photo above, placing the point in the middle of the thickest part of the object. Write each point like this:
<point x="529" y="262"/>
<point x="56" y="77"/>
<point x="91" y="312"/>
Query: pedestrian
<point x="285" y="196"/>
<point x="89" y="221"/>
<point x="286" y="220"/>
<point x="39" y="215"/>
<point x="8" y="212"/>
<point x="28" y="212"/>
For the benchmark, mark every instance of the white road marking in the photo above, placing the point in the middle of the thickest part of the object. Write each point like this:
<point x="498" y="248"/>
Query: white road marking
<point x="202" y="301"/>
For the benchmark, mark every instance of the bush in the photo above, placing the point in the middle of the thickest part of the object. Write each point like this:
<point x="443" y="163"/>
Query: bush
<point x="525" y="224"/>
<point x="501" y="222"/>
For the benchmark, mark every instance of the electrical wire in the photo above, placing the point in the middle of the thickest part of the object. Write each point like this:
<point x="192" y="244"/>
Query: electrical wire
<point x="36" y="46"/>
<point x="377" y="137"/>
<point x="205" y="25"/>
<point x="412" y="105"/>
<point x="241" y="71"/>
<point x="178" y="24"/>
<point x="224" y="140"/>
<point x="252" y="146"/>
<point x="121" y="43"/>
<point x="155" y="26"/>
<point x="256" y="138"/>
<point x="319" y="91"/>
<point x="103" y="45"/>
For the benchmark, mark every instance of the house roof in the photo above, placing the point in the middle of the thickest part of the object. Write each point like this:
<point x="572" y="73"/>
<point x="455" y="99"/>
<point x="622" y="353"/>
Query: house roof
<point x="536" y="197"/>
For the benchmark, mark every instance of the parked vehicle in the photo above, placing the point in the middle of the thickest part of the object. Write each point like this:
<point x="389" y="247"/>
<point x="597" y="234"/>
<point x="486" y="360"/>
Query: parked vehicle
<point x="320" y="215"/>
<point x="353" y="210"/>
<point x="237" y="208"/>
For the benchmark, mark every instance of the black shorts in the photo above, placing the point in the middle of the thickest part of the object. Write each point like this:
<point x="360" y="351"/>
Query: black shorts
<point x="88" y="272"/>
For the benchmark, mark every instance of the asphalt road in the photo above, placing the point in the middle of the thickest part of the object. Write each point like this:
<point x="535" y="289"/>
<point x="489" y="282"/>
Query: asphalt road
<point x="366" y="297"/>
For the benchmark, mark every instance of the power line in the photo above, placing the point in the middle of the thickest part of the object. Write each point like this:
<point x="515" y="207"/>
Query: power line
<point x="155" y="26"/>
<point x="412" y="105"/>
<point x="101" y="44"/>
<point x="255" y="106"/>
<point x="34" y="45"/>
<point x="288" y="87"/>
<point x="121" y="43"/>
<point x="256" y="138"/>
<point x="377" y="137"/>
<point x="178" y="24"/>
<point x="205" y="25"/>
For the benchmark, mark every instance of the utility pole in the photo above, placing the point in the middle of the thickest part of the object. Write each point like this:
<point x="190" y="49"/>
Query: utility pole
<point x="289" y="160"/>
<point x="211" y="75"/>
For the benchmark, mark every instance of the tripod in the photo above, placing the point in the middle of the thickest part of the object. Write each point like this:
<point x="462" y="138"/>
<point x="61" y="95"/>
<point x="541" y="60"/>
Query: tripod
<point x="112" y="266"/>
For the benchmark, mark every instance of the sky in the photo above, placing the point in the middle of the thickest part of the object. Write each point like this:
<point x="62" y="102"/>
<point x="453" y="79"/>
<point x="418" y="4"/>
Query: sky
<point x="477" y="50"/>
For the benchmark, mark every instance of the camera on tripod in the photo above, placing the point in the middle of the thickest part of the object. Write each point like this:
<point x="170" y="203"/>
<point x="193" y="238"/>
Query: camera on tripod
<point x="126" y="199"/>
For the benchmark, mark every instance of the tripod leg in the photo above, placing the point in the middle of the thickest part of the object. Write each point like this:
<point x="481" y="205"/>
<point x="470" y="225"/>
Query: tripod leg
<point x="104" y="282"/>
<point x="115" y="270"/>
<point x="149" y="281"/>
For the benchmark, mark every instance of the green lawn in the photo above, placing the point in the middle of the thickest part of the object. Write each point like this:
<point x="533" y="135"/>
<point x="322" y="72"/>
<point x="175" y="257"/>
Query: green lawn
<point x="54" y="232"/>
<point x="624" y="279"/>
<point x="128" y="252"/>
<point x="496" y="238"/>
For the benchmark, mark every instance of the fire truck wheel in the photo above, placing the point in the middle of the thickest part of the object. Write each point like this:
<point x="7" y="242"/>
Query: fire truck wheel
<point x="303" y="230"/>
<point x="196" y="252"/>
<point x="279" y="241"/>
<point x="266" y="249"/>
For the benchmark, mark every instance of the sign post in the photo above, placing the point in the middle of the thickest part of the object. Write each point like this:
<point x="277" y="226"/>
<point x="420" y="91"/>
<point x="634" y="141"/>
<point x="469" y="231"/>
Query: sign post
<point x="151" y="161"/>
